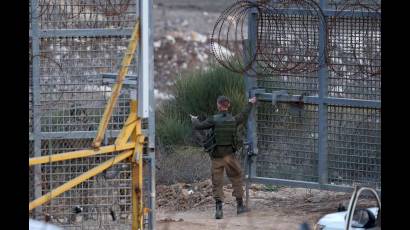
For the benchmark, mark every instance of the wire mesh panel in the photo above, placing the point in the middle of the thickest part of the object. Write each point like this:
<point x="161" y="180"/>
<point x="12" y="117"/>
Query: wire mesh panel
<point x="288" y="52"/>
<point x="85" y="14"/>
<point x="30" y="90"/>
<point x="287" y="142"/>
<point x="73" y="95"/>
<point x="293" y="83"/>
<point x="354" y="57"/>
<point x="353" y="4"/>
<point x="354" y="146"/>
<point x="103" y="201"/>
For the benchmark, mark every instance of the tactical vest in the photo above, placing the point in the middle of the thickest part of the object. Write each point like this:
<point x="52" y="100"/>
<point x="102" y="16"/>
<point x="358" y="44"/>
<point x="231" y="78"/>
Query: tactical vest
<point x="225" y="129"/>
<point x="222" y="134"/>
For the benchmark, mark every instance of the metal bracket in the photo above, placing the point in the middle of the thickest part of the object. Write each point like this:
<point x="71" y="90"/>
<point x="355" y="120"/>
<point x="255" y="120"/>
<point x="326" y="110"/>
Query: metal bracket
<point x="247" y="145"/>
<point x="255" y="91"/>
<point x="295" y="102"/>
<point x="110" y="78"/>
<point x="276" y="94"/>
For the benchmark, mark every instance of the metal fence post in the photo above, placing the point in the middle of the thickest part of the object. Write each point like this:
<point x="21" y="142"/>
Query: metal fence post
<point x="146" y="95"/>
<point x="323" y="85"/>
<point x="250" y="84"/>
<point x="151" y="124"/>
<point x="145" y="66"/>
<point x="35" y="42"/>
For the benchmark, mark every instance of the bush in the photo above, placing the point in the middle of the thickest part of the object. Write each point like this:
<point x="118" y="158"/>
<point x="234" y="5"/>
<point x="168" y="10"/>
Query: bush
<point x="183" y="164"/>
<point x="196" y="93"/>
<point x="171" y="129"/>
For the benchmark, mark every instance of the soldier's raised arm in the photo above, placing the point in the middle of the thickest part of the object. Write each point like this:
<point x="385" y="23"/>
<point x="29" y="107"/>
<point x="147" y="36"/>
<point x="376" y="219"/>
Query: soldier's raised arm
<point x="241" y="117"/>
<point x="206" y="124"/>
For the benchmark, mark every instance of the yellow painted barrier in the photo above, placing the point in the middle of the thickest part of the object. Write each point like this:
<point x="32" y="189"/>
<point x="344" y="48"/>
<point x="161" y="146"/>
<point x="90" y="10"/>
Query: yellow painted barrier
<point x="131" y="131"/>
<point x="70" y="184"/>
<point x="129" y="125"/>
<point x="79" y="154"/>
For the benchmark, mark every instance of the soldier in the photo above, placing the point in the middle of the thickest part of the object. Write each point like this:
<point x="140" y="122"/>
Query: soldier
<point x="222" y="146"/>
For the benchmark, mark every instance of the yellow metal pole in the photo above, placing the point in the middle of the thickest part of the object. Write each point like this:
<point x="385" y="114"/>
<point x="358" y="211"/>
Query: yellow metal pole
<point x="134" y="174"/>
<point x="135" y="190"/>
<point x="129" y="125"/>
<point x="140" y="143"/>
<point x="79" y="154"/>
<point x="70" y="184"/>
<point x="137" y="167"/>
<point x="126" y="61"/>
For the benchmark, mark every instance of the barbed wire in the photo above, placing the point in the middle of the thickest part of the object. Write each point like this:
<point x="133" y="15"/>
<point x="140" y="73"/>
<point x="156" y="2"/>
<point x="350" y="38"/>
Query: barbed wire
<point x="226" y="48"/>
<point x="286" y="37"/>
<point x="112" y="7"/>
<point x="284" y="43"/>
<point x="354" y="44"/>
<point x="290" y="42"/>
<point x="89" y="13"/>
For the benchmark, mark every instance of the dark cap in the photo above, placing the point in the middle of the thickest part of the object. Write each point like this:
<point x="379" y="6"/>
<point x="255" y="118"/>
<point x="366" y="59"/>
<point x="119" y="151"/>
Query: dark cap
<point x="224" y="101"/>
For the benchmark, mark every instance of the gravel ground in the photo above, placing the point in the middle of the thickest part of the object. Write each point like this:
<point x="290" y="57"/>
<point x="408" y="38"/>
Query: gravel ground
<point x="191" y="206"/>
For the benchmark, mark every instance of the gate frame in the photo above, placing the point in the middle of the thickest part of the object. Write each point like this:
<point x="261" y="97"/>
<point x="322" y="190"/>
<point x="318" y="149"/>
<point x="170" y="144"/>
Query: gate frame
<point x="146" y="109"/>
<point x="322" y="101"/>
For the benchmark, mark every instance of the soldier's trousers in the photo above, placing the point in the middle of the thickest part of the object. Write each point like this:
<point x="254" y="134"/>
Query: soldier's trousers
<point x="234" y="173"/>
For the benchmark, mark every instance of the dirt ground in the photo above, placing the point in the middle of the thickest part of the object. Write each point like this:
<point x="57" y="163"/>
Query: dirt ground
<point x="191" y="207"/>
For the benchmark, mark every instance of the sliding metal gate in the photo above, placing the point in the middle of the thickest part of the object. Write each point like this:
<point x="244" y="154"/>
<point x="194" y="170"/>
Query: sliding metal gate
<point x="76" y="48"/>
<point x="317" y="125"/>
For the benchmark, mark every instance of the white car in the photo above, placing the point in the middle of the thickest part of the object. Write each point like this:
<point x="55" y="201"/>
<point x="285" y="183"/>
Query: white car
<point x="336" y="221"/>
<point x="353" y="219"/>
<point x="39" y="225"/>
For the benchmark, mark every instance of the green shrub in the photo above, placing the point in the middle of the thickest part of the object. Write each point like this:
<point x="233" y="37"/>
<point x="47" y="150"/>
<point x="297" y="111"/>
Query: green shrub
<point x="196" y="93"/>
<point x="172" y="130"/>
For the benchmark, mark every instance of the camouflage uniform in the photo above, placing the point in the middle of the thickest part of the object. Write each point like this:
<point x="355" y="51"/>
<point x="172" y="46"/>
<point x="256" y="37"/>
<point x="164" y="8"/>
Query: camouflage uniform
<point x="223" y="156"/>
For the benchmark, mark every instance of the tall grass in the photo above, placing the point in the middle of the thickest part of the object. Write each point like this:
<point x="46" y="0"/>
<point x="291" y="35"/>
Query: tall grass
<point x="196" y="93"/>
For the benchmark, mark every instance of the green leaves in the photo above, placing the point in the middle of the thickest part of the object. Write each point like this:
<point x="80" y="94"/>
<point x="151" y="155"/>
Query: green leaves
<point x="196" y="93"/>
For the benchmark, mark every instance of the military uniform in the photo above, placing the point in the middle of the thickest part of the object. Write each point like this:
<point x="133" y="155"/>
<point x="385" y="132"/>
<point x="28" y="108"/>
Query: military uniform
<point x="224" y="125"/>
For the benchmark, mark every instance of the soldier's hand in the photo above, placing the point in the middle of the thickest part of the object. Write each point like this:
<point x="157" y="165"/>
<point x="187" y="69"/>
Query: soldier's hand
<point x="193" y="117"/>
<point x="252" y="100"/>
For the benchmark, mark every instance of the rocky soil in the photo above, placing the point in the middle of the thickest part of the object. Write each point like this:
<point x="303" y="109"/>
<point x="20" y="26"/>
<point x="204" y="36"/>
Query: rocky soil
<point x="189" y="206"/>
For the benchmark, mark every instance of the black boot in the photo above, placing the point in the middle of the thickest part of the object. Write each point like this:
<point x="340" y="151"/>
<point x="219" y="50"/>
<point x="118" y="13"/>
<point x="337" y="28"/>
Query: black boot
<point x="240" y="208"/>
<point x="219" y="214"/>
